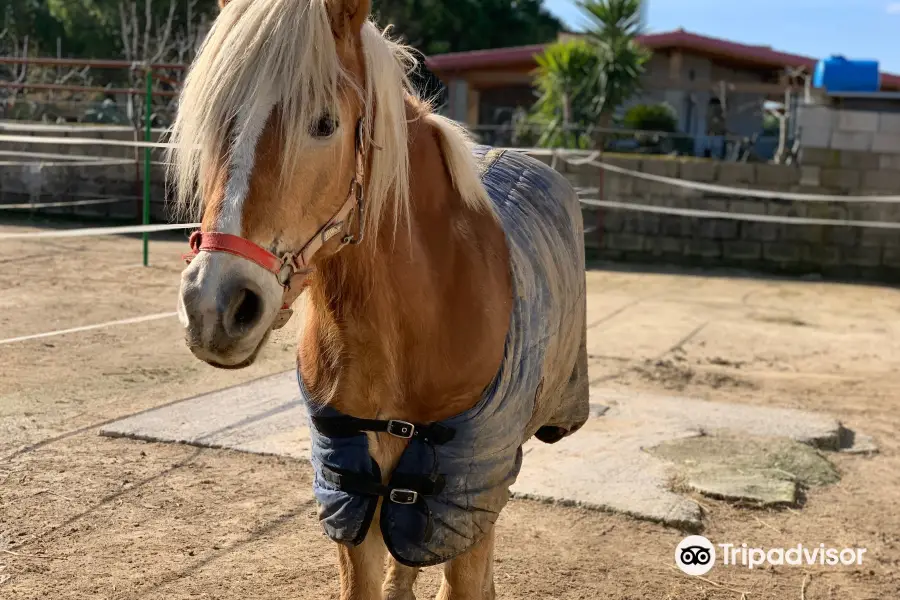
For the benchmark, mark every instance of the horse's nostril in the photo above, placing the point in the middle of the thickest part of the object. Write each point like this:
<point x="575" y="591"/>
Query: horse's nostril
<point x="247" y="309"/>
<point x="241" y="310"/>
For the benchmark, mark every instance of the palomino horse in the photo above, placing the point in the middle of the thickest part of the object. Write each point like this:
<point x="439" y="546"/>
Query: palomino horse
<point x="445" y="289"/>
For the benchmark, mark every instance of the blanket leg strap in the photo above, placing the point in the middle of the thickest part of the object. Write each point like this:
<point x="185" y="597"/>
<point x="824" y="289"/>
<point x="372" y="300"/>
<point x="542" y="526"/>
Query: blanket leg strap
<point x="404" y="489"/>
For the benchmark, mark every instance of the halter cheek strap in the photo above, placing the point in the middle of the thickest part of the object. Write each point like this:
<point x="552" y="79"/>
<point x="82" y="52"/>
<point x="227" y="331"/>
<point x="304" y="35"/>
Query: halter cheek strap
<point x="293" y="268"/>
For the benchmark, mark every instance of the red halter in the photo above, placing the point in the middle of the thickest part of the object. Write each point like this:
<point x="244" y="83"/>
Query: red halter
<point x="292" y="268"/>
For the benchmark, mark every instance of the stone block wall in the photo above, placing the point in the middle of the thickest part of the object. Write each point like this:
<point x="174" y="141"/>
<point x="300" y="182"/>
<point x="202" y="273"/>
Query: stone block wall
<point x="57" y="181"/>
<point x="832" y="251"/>
<point x="613" y="234"/>
<point x="822" y="126"/>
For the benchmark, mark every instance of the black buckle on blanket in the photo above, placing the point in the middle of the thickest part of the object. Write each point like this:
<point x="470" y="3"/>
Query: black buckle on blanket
<point x="405" y="489"/>
<point x="404" y="496"/>
<point x="401" y="429"/>
<point x="341" y="427"/>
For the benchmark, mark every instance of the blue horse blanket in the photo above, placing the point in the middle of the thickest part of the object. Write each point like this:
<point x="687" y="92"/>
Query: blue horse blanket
<point x="445" y="494"/>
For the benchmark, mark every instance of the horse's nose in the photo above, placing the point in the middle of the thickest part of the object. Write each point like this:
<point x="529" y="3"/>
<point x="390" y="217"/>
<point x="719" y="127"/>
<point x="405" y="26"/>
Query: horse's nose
<point x="218" y="315"/>
<point x="226" y="306"/>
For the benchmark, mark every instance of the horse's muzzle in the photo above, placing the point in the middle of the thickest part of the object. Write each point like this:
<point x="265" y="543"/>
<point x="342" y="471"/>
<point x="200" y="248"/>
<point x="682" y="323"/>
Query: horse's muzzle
<point x="226" y="312"/>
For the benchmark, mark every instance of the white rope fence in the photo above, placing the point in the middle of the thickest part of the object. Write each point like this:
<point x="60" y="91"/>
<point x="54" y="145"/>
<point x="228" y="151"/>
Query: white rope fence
<point x="99" y="162"/>
<point x="591" y="160"/>
<point x="727" y="190"/>
<point x="567" y="156"/>
<point x="96" y="231"/>
<point x="49" y="156"/>
<point x="96" y="162"/>
<point x="79" y="141"/>
<point x="26" y="205"/>
<point x="709" y="214"/>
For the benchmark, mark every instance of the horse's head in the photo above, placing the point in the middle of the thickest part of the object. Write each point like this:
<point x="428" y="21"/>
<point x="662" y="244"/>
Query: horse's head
<point x="270" y="144"/>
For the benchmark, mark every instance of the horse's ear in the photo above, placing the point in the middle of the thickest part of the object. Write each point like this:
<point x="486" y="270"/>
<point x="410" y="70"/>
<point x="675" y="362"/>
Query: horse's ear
<point x="348" y="16"/>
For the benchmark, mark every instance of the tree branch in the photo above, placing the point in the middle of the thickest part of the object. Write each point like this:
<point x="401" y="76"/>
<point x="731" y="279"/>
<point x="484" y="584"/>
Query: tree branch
<point x="125" y="32"/>
<point x="135" y="31"/>
<point x="163" y="48"/>
<point x="148" y="23"/>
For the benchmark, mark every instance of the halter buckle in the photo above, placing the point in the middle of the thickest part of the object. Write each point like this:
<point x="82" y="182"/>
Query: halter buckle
<point x="401" y="496"/>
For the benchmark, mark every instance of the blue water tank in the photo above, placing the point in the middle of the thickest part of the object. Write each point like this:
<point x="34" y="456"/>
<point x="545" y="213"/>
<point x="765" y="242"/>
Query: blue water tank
<point x="837" y="74"/>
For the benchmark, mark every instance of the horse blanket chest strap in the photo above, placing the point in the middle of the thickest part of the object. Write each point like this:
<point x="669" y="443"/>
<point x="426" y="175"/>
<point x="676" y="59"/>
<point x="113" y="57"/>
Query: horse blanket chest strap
<point x="344" y="426"/>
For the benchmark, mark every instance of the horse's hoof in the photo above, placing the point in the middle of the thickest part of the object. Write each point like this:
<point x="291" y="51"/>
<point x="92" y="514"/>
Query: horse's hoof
<point x="550" y="434"/>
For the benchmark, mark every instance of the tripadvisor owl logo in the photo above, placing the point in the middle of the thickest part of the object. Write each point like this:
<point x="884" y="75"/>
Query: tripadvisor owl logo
<point x="695" y="555"/>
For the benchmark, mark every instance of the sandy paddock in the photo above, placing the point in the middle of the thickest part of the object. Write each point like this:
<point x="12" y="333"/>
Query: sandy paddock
<point x="82" y="516"/>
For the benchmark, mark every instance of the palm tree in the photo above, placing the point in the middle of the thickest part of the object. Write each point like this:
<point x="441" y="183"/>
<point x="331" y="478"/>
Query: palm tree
<point x="612" y="19"/>
<point x="564" y="80"/>
<point x="581" y="83"/>
<point x="616" y="24"/>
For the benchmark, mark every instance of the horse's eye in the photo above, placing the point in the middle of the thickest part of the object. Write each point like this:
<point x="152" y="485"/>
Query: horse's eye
<point x="325" y="127"/>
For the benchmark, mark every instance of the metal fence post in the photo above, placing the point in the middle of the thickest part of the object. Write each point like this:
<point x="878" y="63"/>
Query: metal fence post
<point x="148" y="106"/>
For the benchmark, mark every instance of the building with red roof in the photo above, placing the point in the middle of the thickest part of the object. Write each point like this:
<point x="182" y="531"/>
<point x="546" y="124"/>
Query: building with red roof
<point x="706" y="80"/>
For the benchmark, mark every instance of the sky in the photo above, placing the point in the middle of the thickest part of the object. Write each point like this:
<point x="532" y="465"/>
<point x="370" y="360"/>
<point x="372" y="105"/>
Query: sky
<point x="857" y="29"/>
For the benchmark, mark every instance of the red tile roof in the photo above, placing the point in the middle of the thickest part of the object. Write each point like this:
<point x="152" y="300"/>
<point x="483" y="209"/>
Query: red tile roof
<point x="497" y="57"/>
<point x="763" y="56"/>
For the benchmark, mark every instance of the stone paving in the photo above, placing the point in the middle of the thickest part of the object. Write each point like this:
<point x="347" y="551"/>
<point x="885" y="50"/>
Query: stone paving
<point x="628" y="458"/>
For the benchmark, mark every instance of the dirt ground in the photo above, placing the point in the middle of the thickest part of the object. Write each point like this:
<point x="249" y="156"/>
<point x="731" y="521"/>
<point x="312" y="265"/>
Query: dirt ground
<point x="83" y="516"/>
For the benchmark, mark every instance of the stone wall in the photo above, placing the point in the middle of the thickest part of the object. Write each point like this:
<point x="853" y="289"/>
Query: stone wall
<point x="57" y="181"/>
<point x="826" y="127"/>
<point x="620" y="235"/>
<point x="834" y="251"/>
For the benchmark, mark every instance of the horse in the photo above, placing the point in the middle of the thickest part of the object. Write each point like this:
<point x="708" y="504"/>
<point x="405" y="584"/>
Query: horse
<point x="442" y="282"/>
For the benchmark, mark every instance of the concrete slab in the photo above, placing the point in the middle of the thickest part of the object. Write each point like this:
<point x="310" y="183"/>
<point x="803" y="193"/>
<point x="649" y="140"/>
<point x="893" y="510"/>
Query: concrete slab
<point x="605" y="466"/>
<point x="711" y="417"/>
<point x="265" y="416"/>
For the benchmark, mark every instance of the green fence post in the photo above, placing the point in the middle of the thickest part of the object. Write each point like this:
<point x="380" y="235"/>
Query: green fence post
<point x="148" y="106"/>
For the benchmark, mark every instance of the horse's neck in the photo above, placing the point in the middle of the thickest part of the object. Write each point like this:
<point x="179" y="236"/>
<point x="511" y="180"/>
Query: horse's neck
<point x="415" y="326"/>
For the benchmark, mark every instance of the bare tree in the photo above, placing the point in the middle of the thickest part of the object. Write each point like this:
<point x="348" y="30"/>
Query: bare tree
<point x="792" y="77"/>
<point x="15" y="74"/>
<point x="19" y="76"/>
<point x="148" y="39"/>
<point x="189" y="38"/>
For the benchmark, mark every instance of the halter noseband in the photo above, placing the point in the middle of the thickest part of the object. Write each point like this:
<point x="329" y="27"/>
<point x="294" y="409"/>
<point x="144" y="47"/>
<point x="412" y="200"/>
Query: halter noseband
<point x="292" y="268"/>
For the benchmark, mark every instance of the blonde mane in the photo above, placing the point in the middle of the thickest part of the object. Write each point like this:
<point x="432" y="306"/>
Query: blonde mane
<point x="262" y="54"/>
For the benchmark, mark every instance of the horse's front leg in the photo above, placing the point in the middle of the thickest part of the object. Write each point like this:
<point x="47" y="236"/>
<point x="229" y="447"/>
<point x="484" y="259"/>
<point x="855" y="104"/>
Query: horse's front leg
<point x="400" y="581"/>
<point x="471" y="575"/>
<point x="362" y="567"/>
